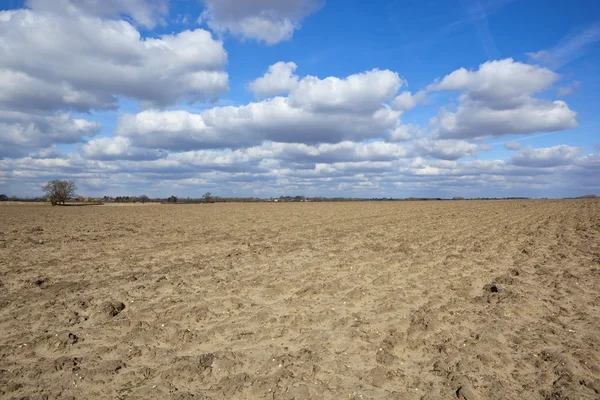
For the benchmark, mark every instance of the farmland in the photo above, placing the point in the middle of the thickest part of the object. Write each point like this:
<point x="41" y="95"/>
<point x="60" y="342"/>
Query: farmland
<point x="395" y="300"/>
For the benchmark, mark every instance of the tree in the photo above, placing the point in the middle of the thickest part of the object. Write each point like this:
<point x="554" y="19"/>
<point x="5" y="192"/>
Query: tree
<point x="172" y="199"/>
<point x="207" y="197"/>
<point x="143" y="198"/>
<point x="59" y="191"/>
<point x="3" y="197"/>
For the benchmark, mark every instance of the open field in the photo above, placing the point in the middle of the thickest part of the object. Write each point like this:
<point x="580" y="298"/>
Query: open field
<point x="398" y="300"/>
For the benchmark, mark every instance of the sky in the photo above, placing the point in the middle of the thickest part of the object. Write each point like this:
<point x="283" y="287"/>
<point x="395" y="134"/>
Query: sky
<point x="269" y="98"/>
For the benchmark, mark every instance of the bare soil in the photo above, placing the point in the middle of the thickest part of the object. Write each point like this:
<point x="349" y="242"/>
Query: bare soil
<point x="397" y="300"/>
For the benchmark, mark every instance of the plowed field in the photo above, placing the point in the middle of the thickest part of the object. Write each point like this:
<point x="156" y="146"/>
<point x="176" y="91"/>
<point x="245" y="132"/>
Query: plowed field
<point x="395" y="300"/>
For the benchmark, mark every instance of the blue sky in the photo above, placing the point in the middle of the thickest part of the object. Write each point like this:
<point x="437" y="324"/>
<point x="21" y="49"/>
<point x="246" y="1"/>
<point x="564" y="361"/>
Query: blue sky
<point x="301" y="97"/>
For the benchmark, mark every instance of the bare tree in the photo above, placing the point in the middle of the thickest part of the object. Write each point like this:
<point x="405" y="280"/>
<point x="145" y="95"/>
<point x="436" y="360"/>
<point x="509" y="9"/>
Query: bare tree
<point x="59" y="191"/>
<point x="207" y="197"/>
<point x="143" y="198"/>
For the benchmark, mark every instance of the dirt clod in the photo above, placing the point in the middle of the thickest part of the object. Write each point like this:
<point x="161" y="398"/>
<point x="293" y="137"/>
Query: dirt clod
<point x="40" y="282"/>
<point x="66" y="363"/>
<point x="112" y="366"/>
<point x="492" y="288"/>
<point x="112" y="308"/>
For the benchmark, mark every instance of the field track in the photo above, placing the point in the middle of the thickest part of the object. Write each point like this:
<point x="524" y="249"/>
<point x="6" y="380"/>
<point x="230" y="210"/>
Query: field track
<point x="395" y="300"/>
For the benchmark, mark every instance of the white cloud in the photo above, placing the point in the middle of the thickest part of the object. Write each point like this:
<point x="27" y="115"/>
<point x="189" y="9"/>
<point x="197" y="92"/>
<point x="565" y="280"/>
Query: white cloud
<point x="273" y="119"/>
<point x="446" y="149"/>
<point x="403" y="132"/>
<point x="49" y="152"/>
<point x="268" y="21"/>
<point x="512" y="145"/>
<point x="360" y="93"/>
<point x="545" y="157"/>
<point x="497" y="101"/>
<point x="358" y="169"/>
<point x="144" y="12"/>
<point x="84" y="62"/>
<point x="117" y="148"/>
<point x="59" y="57"/>
<point x="407" y="101"/>
<point x="279" y="79"/>
<point x="499" y="84"/>
<point x="316" y="111"/>
<point x="294" y="153"/>
<point x="473" y="120"/>
<point x="22" y="133"/>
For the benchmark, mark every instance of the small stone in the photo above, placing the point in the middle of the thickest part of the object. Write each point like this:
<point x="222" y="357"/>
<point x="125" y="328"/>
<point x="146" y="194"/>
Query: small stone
<point x="112" y="366"/>
<point x="378" y="376"/>
<point x="466" y="393"/>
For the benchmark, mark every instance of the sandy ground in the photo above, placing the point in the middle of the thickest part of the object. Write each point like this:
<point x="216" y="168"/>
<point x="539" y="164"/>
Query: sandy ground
<point x="403" y="300"/>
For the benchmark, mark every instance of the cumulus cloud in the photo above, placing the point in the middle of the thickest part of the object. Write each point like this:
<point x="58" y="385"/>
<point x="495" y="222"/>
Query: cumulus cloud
<point x="293" y="153"/>
<point x="545" y="157"/>
<point x="512" y="145"/>
<point x="502" y="84"/>
<point x="144" y="12"/>
<point x="316" y="110"/>
<point x="117" y="148"/>
<point x="267" y="21"/>
<point x="60" y="57"/>
<point x="22" y="133"/>
<point x="49" y="152"/>
<point x="361" y="93"/>
<point x="407" y="101"/>
<point x="473" y="119"/>
<point x="346" y="168"/>
<point x="279" y="79"/>
<point x="497" y="100"/>
<point x="86" y="62"/>
<point x="273" y="119"/>
<point x="446" y="149"/>
<point x="403" y="132"/>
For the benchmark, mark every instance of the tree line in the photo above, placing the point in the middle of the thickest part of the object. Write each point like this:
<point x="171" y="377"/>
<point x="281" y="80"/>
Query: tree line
<point x="61" y="191"/>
